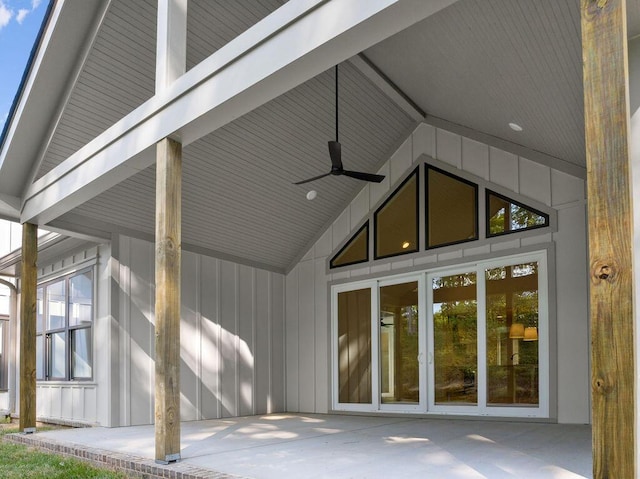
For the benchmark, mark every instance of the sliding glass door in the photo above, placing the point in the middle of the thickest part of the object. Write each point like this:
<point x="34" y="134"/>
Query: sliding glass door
<point x="400" y="334"/>
<point x="454" y="339"/>
<point x="487" y="337"/>
<point x="354" y="348"/>
<point x="379" y="347"/>
<point x="470" y="340"/>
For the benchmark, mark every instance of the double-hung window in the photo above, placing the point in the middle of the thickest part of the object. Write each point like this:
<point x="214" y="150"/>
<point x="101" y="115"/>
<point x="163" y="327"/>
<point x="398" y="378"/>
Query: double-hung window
<point x="5" y="295"/>
<point x="64" y="328"/>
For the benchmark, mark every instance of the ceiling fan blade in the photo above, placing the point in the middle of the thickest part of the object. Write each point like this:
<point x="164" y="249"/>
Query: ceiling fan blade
<point x="363" y="176"/>
<point x="336" y="155"/>
<point x="311" y="179"/>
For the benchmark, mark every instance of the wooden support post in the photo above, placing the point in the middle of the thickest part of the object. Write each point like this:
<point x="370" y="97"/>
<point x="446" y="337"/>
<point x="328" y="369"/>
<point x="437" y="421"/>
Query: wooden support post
<point x="606" y="111"/>
<point x="28" y="282"/>
<point x="168" y="218"/>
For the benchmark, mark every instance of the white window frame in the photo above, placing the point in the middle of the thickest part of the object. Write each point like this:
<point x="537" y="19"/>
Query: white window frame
<point x="390" y="281"/>
<point x="45" y="335"/>
<point x="375" y="387"/>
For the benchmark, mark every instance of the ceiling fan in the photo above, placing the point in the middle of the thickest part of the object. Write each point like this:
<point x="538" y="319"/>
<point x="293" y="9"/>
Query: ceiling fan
<point x="336" y="158"/>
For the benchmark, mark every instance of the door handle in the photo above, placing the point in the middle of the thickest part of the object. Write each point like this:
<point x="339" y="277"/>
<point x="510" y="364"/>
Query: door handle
<point x="420" y="358"/>
<point x="430" y="358"/>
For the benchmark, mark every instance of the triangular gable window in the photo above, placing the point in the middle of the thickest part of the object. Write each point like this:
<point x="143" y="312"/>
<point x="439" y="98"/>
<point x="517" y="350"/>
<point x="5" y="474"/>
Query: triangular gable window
<point x="396" y="221"/>
<point x="355" y="251"/>
<point x="505" y="216"/>
<point x="446" y="211"/>
<point x="452" y="209"/>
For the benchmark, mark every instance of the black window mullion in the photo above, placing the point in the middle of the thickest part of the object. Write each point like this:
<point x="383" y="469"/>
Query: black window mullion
<point x="47" y="363"/>
<point x="67" y="343"/>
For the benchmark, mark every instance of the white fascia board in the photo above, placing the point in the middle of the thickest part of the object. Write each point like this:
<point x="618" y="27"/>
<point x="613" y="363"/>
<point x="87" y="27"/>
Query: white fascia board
<point x="5" y="167"/>
<point x="292" y="45"/>
<point x="37" y="62"/>
<point x="41" y="93"/>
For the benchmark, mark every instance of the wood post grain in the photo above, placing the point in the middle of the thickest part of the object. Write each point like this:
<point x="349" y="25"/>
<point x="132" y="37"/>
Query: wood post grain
<point x="28" y="285"/>
<point x="606" y="110"/>
<point x="167" y="308"/>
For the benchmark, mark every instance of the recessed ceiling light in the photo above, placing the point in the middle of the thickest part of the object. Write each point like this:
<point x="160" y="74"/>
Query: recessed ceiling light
<point x="515" y="127"/>
<point x="311" y="195"/>
<point x="405" y="245"/>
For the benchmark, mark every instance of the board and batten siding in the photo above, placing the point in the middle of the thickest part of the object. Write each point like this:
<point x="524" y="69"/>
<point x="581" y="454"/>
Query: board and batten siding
<point x="307" y="292"/>
<point x="232" y="337"/>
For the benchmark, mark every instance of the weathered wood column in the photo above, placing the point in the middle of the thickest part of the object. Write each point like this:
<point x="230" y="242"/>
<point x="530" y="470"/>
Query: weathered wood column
<point x="28" y="282"/>
<point x="171" y="55"/>
<point x="167" y="386"/>
<point x="606" y="110"/>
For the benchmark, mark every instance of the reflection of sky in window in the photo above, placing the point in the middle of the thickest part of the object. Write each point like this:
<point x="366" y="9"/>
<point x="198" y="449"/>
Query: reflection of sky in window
<point x="5" y="295"/>
<point x="56" y="305"/>
<point x="39" y="362"/>
<point x="523" y="270"/>
<point x="80" y="299"/>
<point x="57" y="355"/>
<point x="82" y="353"/>
<point x="523" y="218"/>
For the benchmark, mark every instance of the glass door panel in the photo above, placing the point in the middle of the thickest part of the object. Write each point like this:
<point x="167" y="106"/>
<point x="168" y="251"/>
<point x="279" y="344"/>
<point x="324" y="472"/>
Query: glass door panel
<point x="455" y="339"/>
<point x="354" y="347"/>
<point x="512" y="335"/>
<point x="399" y="346"/>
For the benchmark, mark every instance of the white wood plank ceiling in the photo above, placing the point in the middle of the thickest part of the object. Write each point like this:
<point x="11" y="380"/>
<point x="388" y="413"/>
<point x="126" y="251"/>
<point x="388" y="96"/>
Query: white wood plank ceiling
<point x="238" y="196"/>
<point x="486" y="64"/>
<point x="477" y="64"/>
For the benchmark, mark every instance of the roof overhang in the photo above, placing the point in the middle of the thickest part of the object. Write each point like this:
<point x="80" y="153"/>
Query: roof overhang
<point x="45" y="88"/>
<point x="280" y="52"/>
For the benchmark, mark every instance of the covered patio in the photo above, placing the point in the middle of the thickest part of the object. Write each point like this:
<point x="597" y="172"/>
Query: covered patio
<point x="321" y="446"/>
<point x="213" y="293"/>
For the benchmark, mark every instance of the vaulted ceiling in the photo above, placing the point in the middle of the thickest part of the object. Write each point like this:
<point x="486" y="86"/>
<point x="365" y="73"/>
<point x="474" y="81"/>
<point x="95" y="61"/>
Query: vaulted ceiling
<point x="479" y="65"/>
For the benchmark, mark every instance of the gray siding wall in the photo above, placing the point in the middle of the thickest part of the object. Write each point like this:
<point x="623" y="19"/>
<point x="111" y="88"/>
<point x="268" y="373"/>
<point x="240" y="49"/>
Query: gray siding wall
<point x="307" y="292"/>
<point x="232" y="337"/>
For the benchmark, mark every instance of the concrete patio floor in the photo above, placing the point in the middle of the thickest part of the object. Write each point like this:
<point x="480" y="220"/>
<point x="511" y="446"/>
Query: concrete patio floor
<point x="333" y="446"/>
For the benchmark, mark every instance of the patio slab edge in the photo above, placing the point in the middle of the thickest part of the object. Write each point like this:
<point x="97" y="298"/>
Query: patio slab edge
<point x="133" y="466"/>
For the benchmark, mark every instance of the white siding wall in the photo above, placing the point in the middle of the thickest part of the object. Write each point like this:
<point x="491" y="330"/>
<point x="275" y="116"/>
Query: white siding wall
<point x="232" y="337"/>
<point x="307" y="307"/>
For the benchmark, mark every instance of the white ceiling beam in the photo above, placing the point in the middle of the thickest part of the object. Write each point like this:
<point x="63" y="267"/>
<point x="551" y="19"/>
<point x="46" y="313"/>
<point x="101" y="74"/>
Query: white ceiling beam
<point x="379" y="79"/>
<point x="292" y="45"/>
<point x="171" y="42"/>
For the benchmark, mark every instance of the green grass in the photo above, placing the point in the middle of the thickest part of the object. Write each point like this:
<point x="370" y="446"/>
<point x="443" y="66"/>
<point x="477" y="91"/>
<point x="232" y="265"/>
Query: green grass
<point x="18" y="461"/>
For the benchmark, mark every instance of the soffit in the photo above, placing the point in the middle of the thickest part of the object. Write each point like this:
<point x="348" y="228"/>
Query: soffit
<point x="477" y="64"/>
<point x="117" y="76"/>
<point x="485" y="64"/>
<point x="238" y="191"/>
<point x="119" y="73"/>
